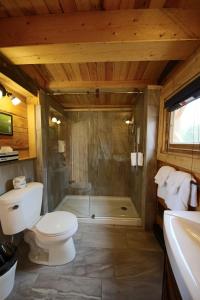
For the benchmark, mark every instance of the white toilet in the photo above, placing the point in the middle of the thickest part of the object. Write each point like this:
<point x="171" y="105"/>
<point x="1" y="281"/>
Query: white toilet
<point x="49" y="236"/>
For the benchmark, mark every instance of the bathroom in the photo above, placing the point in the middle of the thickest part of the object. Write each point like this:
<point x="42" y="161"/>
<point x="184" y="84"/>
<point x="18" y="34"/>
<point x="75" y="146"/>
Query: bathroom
<point x="84" y="129"/>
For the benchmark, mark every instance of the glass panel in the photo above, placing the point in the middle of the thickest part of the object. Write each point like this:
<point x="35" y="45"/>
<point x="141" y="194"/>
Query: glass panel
<point x="56" y="159"/>
<point x="91" y="175"/>
<point x="76" y="198"/>
<point x="185" y="124"/>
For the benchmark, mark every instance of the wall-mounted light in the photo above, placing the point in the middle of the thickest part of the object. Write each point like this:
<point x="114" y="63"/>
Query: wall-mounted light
<point x="54" y="119"/>
<point x="58" y="122"/>
<point x="129" y="122"/>
<point x="2" y="91"/>
<point x="15" y="101"/>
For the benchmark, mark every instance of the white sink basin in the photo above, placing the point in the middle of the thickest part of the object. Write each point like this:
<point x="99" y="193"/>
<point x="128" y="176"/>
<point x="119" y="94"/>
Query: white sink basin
<point x="182" y="240"/>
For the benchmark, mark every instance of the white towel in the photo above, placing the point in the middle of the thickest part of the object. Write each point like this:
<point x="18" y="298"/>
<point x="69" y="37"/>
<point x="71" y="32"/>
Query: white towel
<point x="162" y="192"/>
<point x="186" y="195"/>
<point x="175" y="180"/>
<point x="193" y="194"/>
<point x="163" y="174"/>
<point x="180" y="200"/>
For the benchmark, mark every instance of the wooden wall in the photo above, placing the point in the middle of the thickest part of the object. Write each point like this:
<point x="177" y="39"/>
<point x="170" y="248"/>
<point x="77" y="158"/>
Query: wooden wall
<point x="19" y="140"/>
<point x="185" y="73"/>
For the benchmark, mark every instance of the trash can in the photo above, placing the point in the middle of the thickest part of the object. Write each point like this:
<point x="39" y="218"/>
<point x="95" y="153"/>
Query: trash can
<point x="8" y="264"/>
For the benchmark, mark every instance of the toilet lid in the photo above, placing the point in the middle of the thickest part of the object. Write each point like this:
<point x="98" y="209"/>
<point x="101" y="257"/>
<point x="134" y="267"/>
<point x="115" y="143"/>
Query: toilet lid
<point x="57" y="223"/>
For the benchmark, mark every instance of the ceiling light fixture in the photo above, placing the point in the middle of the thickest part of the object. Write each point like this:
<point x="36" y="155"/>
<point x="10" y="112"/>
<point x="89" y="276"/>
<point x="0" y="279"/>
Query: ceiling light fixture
<point x="15" y="101"/>
<point x="2" y="91"/>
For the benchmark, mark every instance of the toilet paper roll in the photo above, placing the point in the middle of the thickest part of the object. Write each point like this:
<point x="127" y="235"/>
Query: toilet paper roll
<point x="19" y="182"/>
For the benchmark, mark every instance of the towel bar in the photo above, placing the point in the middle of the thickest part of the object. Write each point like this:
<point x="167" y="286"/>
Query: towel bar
<point x="195" y="183"/>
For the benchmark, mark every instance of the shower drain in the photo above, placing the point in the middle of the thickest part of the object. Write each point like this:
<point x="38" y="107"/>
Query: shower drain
<point x="124" y="208"/>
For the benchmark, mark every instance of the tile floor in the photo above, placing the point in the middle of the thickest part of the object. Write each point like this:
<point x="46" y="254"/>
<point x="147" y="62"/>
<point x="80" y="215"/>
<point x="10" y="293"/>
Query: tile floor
<point x="112" y="263"/>
<point x="100" y="206"/>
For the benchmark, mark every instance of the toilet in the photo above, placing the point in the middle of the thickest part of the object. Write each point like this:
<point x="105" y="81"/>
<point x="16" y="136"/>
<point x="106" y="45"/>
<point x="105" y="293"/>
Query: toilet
<point x="49" y="236"/>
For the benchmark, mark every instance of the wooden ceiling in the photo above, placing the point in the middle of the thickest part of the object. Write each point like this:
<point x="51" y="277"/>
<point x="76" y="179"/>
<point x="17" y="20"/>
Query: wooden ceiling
<point x="16" y="8"/>
<point x="63" y="68"/>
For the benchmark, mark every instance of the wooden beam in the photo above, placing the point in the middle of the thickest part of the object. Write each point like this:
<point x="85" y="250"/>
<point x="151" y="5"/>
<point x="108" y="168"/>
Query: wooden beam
<point x="101" y="52"/>
<point x="77" y="86"/>
<point x="123" y="35"/>
<point x="101" y="108"/>
<point x="16" y="79"/>
<point x="167" y="70"/>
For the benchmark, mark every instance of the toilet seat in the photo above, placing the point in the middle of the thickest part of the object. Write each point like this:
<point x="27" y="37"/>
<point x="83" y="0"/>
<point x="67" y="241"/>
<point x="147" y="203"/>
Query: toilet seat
<point x="57" y="223"/>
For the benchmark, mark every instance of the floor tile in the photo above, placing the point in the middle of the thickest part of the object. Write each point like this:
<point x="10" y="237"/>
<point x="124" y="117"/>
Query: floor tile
<point x="71" y="285"/>
<point x="112" y="263"/>
<point x="118" y="289"/>
<point x="103" y="240"/>
<point x="142" y="240"/>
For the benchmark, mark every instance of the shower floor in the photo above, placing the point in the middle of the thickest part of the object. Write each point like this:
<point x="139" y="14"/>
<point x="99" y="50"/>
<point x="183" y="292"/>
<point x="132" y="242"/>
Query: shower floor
<point x="96" y="207"/>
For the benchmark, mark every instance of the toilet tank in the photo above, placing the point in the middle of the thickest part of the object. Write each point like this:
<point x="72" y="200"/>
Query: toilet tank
<point x="20" y="208"/>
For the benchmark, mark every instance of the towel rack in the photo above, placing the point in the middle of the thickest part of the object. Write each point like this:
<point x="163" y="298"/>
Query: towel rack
<point x="195" y="183"/>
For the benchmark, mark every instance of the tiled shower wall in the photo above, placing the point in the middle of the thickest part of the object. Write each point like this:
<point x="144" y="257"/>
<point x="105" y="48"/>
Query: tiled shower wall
<point x="98" y="146"/>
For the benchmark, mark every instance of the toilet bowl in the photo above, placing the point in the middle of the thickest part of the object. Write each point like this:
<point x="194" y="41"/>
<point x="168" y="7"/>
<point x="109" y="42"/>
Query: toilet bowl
<point x="50" y="240"/>
<point x="49" y="236"/>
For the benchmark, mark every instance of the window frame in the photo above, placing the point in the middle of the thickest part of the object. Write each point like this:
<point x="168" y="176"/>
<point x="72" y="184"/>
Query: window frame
<point x="178" y="148"/>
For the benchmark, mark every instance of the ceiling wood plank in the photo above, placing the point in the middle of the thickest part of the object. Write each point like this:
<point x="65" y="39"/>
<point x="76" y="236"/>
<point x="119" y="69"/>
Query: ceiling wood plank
<point x="66" y="86"/>
<point x="98" y="36"/>
<point x="156" y="3"/>
<point x="101" y="26"/>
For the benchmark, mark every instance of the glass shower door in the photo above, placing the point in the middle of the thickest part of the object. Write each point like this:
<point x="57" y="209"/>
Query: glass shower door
<point x="77" y="199"/>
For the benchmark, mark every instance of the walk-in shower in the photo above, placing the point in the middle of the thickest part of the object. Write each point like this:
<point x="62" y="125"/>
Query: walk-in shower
<point x="89" y="169"/>
<point x="84" y="157"/>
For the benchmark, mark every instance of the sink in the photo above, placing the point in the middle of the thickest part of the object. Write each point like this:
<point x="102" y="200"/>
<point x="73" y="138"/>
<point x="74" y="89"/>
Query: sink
<point x="182" y="240"/>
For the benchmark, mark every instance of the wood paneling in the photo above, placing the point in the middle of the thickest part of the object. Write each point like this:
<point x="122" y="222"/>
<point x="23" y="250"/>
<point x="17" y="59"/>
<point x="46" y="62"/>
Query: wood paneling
<point x="19" y="140"/>
<point x="91" y="101"/>
<point x="97" y="72"/>
<point x="43" y="7"/>
<point x="57" y="75"/>
<point x="101" y="36"/>
<point x="67" y="86"/>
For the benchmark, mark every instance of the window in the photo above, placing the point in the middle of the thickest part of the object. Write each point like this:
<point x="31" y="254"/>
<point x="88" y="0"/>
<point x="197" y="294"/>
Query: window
<point x="184" y="127"/>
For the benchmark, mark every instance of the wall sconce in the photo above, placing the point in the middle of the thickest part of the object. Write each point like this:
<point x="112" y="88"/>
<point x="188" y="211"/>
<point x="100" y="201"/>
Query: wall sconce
<point x="54" y="120"/>
<point x="129" y="122"/>
<point x="2" y="91"/>
<point x="15" y="101"/>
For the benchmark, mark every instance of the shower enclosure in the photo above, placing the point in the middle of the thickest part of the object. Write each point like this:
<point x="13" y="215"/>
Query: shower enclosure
<point x="83" y="159"/>
<point x="89" y="171"/>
